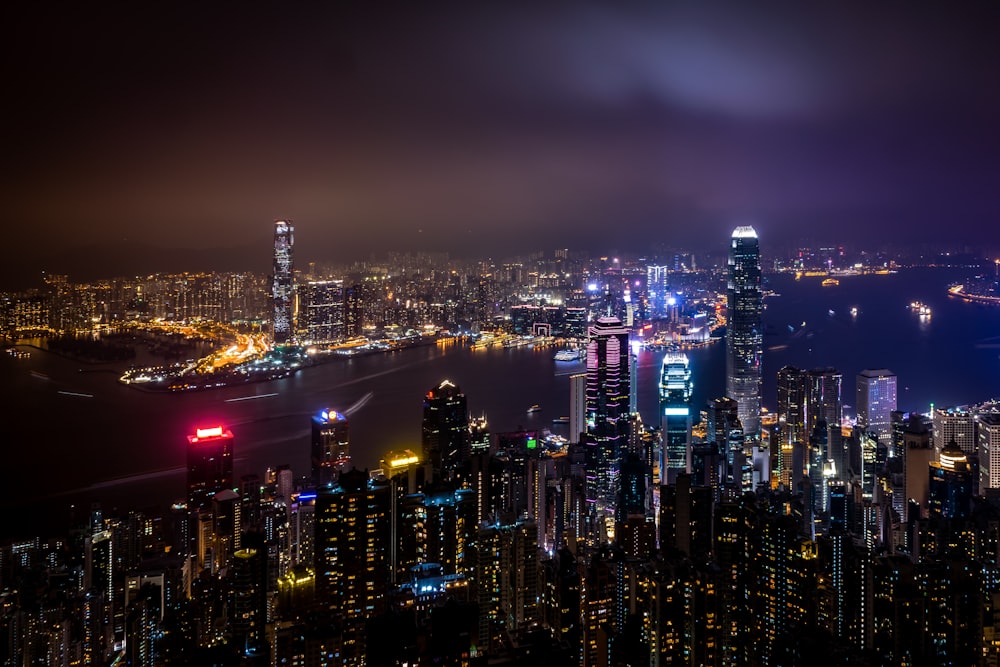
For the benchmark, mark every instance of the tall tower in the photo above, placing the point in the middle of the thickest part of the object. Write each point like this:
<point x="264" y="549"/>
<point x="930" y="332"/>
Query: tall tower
<point x="331" y="446"/>
<point x="577" y="406"/>
<point x="352" y="556"/>
<point x="744" y="337"/>
<point x="876" y="400"/>
<point x="675" y="415"/>
<point x="607" y="410"/>
<point x="283" y="285"/>
<point x="446" y="437"/>
<point x="209" y="465"/>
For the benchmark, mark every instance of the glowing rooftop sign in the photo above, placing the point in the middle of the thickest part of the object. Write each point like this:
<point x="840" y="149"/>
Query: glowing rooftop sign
<point x="331" y="416"/>
<point x="214" y="432"/>
<point x="745" y="232"/>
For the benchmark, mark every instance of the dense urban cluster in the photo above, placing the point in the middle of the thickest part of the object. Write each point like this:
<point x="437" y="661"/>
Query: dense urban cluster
<point x="719" y="535"/>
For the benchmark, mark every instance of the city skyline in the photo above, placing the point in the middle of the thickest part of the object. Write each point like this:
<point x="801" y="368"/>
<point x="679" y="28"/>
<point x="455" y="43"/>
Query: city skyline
<point x="431" y="130"/>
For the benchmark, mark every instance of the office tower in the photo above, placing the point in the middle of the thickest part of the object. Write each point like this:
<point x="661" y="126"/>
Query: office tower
<point x="352" y="556"/>
<point x="744" y="334"/>
<point x="989" y="452"/>
<point x="249" y="596"/>
<point x="917" y="456"/>
<point x="725" y="431"/>
<point x="479" y="435"/>
<point x="824" y="401"/>
<point x="875" y="401"/>
<point x="331" y="446"/>
<point x="607" y="409"/>
<point x="505" y="557"/>
<point x="577" y="406"/>
<point x="792" y="404"/>
<point x="951" y="484"/>
<point x="445" y="428"/>
<point x="283" y="282"/>
<point x="633" y="393"/>
<point x="657" y="289"/>
<point x="955" y="425"/>
<point x="675" y="416"/>
<point x="209" y="465"/>
<point x="321" y="312"/>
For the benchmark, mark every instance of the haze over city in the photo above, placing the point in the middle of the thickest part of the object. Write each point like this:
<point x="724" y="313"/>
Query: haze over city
<point x="135" y="133"/>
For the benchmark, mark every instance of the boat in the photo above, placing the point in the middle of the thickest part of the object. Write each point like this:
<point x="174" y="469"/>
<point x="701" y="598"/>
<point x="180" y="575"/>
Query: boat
<point x="567" y="355"/>
<point x="561" y="420"/>
<point x="534" y="408"/>
<point x="854" y="311"/>
<point x="831" y="282"/>
<point x="920" y="308"/>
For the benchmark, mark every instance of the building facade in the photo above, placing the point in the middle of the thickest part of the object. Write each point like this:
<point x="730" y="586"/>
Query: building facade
<point x="744" y="334"/>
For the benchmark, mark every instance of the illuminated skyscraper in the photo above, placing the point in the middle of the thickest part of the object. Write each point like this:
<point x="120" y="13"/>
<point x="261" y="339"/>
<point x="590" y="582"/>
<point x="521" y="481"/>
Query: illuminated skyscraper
<point x="675" y="415"/>
<point x="446" y="437"/>
<point x="744" y="337"/>
<point x="607" y="409"/>
<point x="209" y="465"/>
<point x="283" y="282"/>
<point x="577" y="406"/>
<point x="352" y="556"/>
<point x="876" y="400"/>
<point x="331" y="446"/>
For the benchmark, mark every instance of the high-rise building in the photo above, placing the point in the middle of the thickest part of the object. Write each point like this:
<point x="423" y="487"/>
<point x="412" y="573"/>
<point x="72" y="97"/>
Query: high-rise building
<point x="209" y="465"/>
<point x="675" y="415"/>
<point x="577" y="406"/>
<point x="951" y="484"/>
<point x="321" y="312"/>
<point x="607" y="410"/>
<point x="956" y="425"/>
<point x="875" y="401"/>
<point x="331" y="446"/>
<point x="989" y="452"/>
<point x="744" y="334"/>
<point x="352" y="556"/>
<point x="283" y="282"/>
<point x="792" y="404"/>
<point x="446" y="438"/>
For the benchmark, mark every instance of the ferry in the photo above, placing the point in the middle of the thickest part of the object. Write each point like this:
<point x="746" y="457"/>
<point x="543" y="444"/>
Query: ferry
<point x="567" y="355"/>
<point x="854" y="311"/>
<point x="534" y="408"/>
<point x="920" y="308"/>
<point x="830" y="282"/>
<point x="561" y="420"/>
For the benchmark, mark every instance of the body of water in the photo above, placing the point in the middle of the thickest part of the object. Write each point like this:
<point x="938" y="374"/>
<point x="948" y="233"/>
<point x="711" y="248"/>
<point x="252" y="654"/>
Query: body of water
<point x="73" y="438"/>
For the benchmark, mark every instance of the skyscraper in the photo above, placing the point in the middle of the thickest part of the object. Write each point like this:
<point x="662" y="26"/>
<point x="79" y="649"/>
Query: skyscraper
<point x="744" y="337"/>
<point x="331" y="446"/>
<point x="283" y="283"/>
<point x="876" y="400"/>
<point x="352" y="556"/>
<point x="209" y="465"/>
<point x="577" y="406"/>
<point x="446" y="437"/>
<point x="675" y="415"/>
<point x="607" y="409"/>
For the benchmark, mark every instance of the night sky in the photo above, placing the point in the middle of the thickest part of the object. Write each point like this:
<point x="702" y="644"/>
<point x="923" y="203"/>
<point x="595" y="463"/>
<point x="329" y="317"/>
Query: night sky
<point x="169" y="135"/>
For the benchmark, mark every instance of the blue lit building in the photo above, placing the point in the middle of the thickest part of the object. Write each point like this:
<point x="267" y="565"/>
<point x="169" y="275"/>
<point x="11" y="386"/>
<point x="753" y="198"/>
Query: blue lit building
<point x="675" y="416"/>
<point x="331" y="446"/>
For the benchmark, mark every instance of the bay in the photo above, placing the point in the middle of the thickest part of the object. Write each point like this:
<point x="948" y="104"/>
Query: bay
<point x="71" y="439"/>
